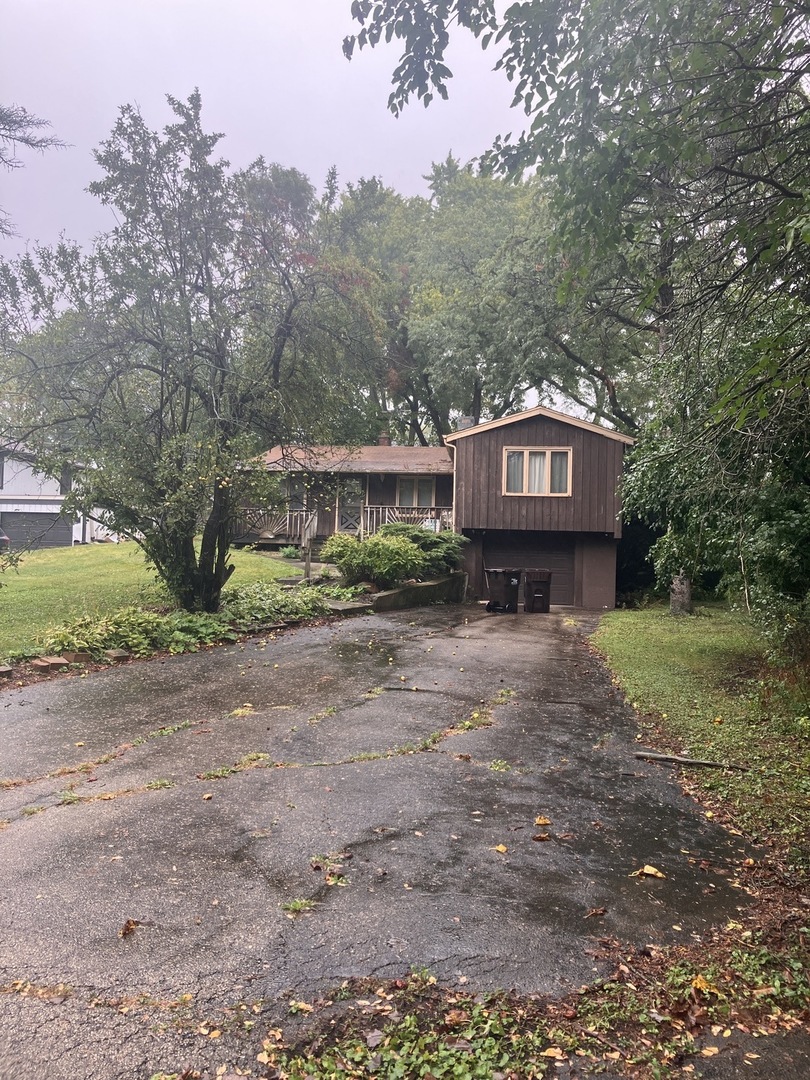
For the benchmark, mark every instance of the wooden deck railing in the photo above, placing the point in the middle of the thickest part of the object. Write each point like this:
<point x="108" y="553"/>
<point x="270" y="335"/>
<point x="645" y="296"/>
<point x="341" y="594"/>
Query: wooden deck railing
<point x="435" y="518"/>
<point x="288" y="525"/>
<point x="271" y="524"/>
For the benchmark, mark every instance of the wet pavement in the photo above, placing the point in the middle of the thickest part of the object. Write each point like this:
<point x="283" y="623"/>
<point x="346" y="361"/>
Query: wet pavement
<point x="446" y="789"/>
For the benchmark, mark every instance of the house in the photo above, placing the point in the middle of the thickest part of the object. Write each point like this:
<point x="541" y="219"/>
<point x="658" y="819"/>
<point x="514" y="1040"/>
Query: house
<point x="31" y="505"/>
<point x="336" y="489"/>
<point x="541" y="490"/>
<point x="538" y="490"/>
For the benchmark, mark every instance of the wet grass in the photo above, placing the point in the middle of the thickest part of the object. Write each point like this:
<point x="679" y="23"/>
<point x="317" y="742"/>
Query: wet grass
<point x="702" y="688"/>
<point x="61" y="584"/>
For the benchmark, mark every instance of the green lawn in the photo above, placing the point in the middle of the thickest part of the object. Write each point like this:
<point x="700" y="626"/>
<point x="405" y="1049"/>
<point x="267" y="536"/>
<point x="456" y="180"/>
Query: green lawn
<point x="59" y="584"/>
<point x="702" y="687"/>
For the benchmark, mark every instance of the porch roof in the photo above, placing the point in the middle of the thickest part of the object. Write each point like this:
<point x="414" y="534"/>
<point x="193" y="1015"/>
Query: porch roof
<point x="421" y="460"/>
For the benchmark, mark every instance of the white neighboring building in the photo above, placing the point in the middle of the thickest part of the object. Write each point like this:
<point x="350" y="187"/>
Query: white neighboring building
<point x="31" y="506"/>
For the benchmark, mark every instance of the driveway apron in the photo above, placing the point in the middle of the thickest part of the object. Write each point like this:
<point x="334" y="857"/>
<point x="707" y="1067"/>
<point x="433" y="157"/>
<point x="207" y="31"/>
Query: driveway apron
<point x="435" y="789"/>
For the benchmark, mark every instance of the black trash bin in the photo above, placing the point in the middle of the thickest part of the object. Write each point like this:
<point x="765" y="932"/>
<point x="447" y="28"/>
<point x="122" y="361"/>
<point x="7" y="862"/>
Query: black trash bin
<point x="536" y="591"/>
<point x="504" y="590"/>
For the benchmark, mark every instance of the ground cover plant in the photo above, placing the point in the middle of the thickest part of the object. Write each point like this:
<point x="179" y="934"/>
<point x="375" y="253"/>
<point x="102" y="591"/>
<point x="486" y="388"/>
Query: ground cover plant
<point x="142" y="633"/>
<point x="59" y="585"/>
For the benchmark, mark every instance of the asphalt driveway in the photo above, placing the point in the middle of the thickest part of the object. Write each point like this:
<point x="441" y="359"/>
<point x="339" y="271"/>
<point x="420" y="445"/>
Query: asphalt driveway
<point x="441" y="789"/>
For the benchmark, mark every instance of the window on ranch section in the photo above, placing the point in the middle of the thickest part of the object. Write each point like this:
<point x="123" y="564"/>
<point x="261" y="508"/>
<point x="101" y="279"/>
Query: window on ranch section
<point x="536" y="471"/>
<point x="416" y="491"/>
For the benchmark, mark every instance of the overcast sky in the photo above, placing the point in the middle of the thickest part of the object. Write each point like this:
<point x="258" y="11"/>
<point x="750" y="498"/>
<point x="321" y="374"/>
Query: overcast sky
<point x="273" y="79"/>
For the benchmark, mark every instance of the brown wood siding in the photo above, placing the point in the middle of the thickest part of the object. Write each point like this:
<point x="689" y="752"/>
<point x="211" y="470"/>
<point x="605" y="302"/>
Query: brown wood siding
<point x="444" y="490"/>
<point x="592" y="506"/>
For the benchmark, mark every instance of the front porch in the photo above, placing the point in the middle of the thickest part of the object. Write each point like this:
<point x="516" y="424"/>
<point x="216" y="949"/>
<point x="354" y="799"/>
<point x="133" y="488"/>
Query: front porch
<point x="279" y="528"/>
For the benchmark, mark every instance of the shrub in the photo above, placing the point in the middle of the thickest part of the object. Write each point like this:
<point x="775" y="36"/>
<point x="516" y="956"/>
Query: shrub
<point x="443" y="551"/>
<point x="382" y="560"/>
<point x="338" y="547"/>
<point x="288" y="552"/>
<point x="263" y="601"/>
<point x="139" y="632"/>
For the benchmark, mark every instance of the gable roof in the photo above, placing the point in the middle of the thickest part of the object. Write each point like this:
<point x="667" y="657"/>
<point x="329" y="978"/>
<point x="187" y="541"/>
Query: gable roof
<point x="548" y="414"/>
<point x="418" y="460"/>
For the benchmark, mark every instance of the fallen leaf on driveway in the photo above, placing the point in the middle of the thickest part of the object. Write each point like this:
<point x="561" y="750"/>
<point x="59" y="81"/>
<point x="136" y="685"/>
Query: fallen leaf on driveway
<point x="710" y="1051"/>
<point x="648" y="871"/>
<point x="207" y="797"/>
<point x="128" y="928"/>
<point x="701" y="983"/>
<point x="542" y="821"/>
<point x="541" y="836"/>
<point x="500" y="848"/>
<point x="553" y="1052"/>
<point x="594" y="912"/>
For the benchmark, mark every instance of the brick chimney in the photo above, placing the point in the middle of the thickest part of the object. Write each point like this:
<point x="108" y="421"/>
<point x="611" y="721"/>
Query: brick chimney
<point x="383" y="439"/>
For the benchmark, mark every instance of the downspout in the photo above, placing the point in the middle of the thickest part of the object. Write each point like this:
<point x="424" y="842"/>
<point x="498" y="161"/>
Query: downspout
<point x="452" y="449"/>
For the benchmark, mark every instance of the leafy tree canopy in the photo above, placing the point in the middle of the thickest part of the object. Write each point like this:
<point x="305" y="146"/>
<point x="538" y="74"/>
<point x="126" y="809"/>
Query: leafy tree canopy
<point x="20" y="128"/>
<point x="674" y="141"/>
<point x="192" y="336"/>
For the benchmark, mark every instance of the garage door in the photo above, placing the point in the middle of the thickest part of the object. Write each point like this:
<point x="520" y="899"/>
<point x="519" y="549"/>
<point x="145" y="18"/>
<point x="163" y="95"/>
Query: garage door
<point x="36" y="530"/>
<point x="536" y="551"/>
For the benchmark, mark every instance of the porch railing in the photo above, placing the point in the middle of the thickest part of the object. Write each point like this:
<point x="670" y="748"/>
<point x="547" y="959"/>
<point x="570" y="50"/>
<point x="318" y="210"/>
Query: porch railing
<point x="436" y="518"/>
<point x="290" y="524"/>
<point x="271" y="524"/>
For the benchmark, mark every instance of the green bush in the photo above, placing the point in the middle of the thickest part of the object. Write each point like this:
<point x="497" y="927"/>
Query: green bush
<point x="260" y="602"/>
<point x="338" y="547"/>
<point x="288" y="552"/>
<point x="382" y="560"/>
<point x="443" y="551"/>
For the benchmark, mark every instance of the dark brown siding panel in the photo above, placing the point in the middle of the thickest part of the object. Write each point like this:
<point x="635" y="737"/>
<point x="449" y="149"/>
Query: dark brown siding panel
<point x="597" y="566"/>
<point x="596" y="467"/>
<point x="444" y="490"/>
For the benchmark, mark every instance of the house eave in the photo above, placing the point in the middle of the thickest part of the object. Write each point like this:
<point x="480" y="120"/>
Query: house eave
<point x="548" y="414"/>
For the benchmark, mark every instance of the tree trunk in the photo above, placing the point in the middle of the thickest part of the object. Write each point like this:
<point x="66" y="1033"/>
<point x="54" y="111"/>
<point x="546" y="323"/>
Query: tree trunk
<point x="213" y="569"/>
<point x="680" y="595"/>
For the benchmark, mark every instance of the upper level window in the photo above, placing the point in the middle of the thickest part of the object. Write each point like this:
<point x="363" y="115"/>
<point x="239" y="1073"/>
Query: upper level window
<point x="416" y="491"/>
<point x="536" y="471"/>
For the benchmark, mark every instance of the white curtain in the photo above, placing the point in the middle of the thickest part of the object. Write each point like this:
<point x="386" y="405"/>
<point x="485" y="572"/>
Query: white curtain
<point x="537" y="472"/>
<point x="514" y="471"/>
<point x="559" y="473"/>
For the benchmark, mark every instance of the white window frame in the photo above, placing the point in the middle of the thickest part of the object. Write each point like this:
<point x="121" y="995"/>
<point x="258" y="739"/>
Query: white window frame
<point x="525" y="493"/>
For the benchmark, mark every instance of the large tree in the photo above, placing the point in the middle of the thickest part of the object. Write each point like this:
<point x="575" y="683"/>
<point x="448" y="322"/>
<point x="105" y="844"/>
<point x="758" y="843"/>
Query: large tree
<point x="462" y="292"/>
<point x="175" y="350"/>
<point x="20" y="129"/>
<point x="674" y="139"/>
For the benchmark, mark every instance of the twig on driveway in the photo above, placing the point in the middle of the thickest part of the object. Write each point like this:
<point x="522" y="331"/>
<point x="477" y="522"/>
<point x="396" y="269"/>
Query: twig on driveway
<point x="649" y="755"/>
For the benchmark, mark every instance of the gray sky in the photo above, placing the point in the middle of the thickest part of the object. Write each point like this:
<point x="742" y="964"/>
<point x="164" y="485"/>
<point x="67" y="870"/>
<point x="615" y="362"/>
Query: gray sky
<point x="273" y="79"/>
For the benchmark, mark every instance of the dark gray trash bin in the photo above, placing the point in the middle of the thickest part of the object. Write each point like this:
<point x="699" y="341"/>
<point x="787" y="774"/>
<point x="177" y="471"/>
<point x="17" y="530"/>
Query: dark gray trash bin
<point x="504" y="589"/>
<point x="536" y="591"/>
